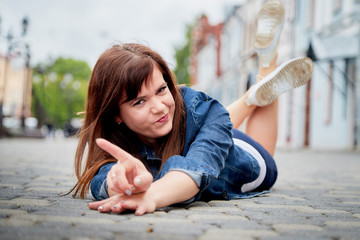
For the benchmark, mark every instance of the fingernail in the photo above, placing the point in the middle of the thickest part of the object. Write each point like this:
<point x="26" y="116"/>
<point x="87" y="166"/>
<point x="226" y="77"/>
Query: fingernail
<point x="116" y="207"/>
<point x="128" y="192"/>
<point x="138" y="181"/>
<point x="101" y="208"/>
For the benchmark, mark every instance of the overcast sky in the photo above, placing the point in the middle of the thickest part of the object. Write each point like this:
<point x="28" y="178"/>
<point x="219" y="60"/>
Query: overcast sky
<point x="83" y="29"/>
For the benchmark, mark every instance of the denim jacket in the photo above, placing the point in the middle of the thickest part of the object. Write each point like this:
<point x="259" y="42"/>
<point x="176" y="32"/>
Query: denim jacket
<point x="210" y="157"/>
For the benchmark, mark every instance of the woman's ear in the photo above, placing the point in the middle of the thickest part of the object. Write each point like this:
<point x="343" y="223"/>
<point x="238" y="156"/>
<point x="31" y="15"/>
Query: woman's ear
<point x="118" y="120"/>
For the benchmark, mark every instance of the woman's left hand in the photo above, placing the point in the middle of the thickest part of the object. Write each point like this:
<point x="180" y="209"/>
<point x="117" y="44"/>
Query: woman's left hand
<point x="142" y="203"/>
<point x="128" y="175"/>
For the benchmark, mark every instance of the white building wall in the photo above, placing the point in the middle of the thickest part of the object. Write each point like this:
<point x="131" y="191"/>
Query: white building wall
<point x="231" y="49"/>
<point x="329" y="130"/>
<point x="299" y="118"/>
<point x="340" y="26"/>
<point x="293" y="43"/>
<point x="206" y="75"/>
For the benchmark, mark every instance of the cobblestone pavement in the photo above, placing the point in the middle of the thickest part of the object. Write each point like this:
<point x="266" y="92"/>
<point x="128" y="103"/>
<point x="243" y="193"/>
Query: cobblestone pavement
<point x="317" y="196"/>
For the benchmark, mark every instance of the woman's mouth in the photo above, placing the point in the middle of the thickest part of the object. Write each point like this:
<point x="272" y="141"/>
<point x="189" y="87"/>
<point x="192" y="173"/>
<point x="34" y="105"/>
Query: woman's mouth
<point x="163" y="118"/>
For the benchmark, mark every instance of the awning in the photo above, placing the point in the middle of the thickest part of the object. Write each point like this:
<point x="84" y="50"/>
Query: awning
<point x="331" y="47"/>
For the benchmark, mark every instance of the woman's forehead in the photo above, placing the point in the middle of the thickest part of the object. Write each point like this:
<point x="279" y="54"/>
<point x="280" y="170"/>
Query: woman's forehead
<point x="153" y="81"/>
<point x="152" y="85"/>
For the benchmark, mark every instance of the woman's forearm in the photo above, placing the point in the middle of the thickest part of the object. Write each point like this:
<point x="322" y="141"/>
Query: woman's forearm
<point x="173" y="188"/>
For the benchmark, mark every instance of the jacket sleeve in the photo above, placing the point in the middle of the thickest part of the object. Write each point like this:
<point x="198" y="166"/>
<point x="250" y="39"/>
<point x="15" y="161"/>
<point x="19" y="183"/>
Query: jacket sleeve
<point x="98" y="184"/>
<point x="209" y="142"/>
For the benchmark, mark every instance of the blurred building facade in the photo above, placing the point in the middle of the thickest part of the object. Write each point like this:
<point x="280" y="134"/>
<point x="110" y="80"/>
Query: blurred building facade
<point x="15" y="86"/>
<point x="324" y="114"/>
<point x="15" y="80"/>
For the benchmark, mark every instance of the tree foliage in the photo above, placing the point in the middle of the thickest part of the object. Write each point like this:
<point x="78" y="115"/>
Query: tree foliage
<point x="182" y="58"/>
<point x="59" y="90"/>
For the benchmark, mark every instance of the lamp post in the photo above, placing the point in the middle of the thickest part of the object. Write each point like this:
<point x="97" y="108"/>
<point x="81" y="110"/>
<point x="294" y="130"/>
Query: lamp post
<point x="13" y="41"/>
<point x="26" y="85"/>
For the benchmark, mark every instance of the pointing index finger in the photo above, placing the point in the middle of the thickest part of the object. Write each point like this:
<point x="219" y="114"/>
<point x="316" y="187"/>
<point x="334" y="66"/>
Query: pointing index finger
<point x="121" y="155"/>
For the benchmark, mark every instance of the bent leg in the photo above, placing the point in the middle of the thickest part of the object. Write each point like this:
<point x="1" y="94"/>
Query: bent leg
<point x="262" y="124"/>
<point x="239" y="111"/>
<point x="262" y="121"/>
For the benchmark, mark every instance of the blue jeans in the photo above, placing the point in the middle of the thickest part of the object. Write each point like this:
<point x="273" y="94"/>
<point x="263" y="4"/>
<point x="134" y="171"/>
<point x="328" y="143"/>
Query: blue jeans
<point x="224" y="188"/>
<point x="271" y="169"/>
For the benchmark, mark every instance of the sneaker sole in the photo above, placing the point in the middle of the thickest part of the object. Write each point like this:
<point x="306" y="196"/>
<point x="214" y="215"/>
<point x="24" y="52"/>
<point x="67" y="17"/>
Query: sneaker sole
<point x="271" y="41"/>
<point x="263" y="43"/>
<point x="268" y="53"/>
<point x="291" y="74"/>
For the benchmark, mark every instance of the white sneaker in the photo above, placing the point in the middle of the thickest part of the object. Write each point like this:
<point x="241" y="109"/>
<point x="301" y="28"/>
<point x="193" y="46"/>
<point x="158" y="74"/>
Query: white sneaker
<point x="270" y="21"/>
<point x="289" y="75"/>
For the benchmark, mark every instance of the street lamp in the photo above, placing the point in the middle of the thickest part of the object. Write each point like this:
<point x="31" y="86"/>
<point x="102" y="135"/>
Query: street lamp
<point x="27" y="82"/>
<point x="25" y="24"/>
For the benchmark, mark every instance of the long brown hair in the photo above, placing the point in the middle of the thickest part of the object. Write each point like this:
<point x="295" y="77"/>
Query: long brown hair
<point x="120" y="70"/>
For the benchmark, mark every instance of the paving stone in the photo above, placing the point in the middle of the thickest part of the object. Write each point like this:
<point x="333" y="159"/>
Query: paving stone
<point x="25" y="202"/>
<point x="219" y="203"/>
<point x="35" y="233"/>
<point x="296" y="227"/>
<point x="153" y="220"/>
<point x="236" y="234"/>
<point x="217" y="210"/>
<point x="12" y="212"/>
<point x="153" y="236"/>
<point x="181" y="212"/>
<point x="343" y="224"/>
<point x="185" y="229"/>
<point x="9" y="193"/>
<point x="33" y="219"/>
<point x="215" y="218"/>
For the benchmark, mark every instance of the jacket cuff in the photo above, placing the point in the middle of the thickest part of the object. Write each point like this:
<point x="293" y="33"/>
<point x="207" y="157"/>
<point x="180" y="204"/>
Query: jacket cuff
<point x="103" y="193"/>
<point x="98" y="184"/>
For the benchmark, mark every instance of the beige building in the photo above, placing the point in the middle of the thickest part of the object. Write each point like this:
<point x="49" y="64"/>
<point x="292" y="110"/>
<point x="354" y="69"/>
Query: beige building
<point x="15" y="88"/>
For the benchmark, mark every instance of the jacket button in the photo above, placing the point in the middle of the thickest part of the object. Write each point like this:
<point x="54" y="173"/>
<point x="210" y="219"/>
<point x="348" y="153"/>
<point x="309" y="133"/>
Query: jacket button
<point x="224" y="194"/>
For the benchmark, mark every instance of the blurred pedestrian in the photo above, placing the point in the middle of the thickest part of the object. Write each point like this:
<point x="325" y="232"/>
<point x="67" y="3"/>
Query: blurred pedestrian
<point x="50" y="128"/>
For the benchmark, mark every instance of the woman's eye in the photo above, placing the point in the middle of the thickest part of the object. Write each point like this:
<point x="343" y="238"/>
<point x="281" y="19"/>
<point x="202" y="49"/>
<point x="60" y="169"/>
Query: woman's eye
<point x="162" y="89"/>
<point x="138" y="102"/>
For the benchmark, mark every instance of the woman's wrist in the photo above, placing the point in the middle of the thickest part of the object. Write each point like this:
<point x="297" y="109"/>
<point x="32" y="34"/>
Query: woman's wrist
<point x="174" y="187"/>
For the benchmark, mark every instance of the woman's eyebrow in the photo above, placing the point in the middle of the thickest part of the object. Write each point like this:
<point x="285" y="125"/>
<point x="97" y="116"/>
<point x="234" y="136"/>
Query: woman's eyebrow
<point x="162" y="85"/>
<point x="144" y="96"/>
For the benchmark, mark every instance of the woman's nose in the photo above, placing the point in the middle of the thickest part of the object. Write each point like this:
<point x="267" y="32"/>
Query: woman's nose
<point x="157" y="106"/>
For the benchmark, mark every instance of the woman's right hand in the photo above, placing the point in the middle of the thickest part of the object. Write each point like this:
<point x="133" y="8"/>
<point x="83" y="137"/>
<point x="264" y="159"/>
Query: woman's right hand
<point x="128" y="175"/>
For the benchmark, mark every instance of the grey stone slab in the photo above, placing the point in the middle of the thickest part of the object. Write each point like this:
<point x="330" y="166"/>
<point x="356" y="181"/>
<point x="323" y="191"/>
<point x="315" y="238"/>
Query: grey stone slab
<point x="40" y="232"/>
<point x="153" y="236"/>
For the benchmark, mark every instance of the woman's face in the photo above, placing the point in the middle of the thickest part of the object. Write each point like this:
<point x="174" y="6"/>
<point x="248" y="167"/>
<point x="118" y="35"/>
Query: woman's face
<point x="150" y="114"/>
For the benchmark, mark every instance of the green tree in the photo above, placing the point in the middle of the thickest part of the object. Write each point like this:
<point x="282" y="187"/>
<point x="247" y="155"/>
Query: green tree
<point x="182" y="58"/>
<point x="59" y="90"/>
